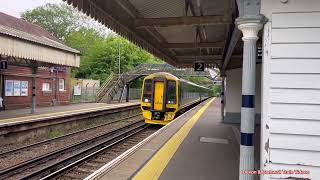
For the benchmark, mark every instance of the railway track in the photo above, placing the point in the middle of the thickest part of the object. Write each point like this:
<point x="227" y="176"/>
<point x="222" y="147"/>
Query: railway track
<point x="21" y="131"/>
<point x="52" y="164"/>
<point x="86" y="166"/>
<point x="51" y="140"/>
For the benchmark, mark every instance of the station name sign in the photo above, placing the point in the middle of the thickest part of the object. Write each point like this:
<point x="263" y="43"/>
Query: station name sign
<point x="59" y="69"/>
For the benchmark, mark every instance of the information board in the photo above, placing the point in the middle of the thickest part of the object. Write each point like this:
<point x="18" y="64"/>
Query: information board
<point x="9" y="88"/>
<point x="24" y="88"/>
<point x="77" y="90"/>
<point x="16" y="88"/>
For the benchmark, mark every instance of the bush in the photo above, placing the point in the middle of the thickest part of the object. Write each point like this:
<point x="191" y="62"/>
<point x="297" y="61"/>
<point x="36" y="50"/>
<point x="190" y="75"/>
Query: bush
<point x="216" y="90"/>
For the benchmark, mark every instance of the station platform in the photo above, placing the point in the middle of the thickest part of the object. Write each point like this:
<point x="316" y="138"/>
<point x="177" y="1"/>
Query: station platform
<point x="19" y="115"/>
<point x="197" y="145"/>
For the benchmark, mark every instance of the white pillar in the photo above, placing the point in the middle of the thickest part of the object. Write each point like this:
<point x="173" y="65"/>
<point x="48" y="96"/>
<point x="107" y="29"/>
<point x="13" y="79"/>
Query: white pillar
<point x="250" y="29"/>
<point x="222" y="95"/>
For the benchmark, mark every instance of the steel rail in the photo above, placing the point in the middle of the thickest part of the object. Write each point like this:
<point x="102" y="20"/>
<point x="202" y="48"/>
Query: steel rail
<point x="13" y="151"/>
<point x="92" y="155"/>
<point x="105" y="138"/>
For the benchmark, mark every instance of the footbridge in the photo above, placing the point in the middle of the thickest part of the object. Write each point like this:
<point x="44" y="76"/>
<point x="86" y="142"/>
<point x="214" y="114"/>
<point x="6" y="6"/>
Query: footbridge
<point x="115" y="82"/>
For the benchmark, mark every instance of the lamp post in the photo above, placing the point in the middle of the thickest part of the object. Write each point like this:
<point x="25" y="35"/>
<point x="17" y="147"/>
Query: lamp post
<point x="119" y="59"/>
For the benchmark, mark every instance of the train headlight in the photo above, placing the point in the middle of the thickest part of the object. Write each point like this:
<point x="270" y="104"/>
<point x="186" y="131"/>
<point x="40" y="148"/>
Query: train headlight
<point x="171" y="102"/>
<point x="146" y="100"/>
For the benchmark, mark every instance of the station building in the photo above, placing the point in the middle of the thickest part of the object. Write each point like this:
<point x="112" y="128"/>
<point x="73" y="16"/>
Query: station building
<point x="36" y="65"/>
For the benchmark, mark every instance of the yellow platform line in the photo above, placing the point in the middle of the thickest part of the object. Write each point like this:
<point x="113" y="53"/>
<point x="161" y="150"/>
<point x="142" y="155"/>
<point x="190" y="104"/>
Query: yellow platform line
<point x="59" y="113"/>
<point x="154" y="167"/>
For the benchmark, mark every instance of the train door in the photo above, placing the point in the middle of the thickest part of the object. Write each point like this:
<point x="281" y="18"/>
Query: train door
<point x="158" y="95"/>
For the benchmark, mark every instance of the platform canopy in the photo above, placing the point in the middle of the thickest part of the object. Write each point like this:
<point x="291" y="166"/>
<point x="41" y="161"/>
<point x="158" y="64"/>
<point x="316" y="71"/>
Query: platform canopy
<point x="23" y="40"/>
<point x="180" y="32"/>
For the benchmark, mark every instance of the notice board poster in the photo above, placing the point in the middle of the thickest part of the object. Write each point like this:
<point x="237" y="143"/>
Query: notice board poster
<point x="77" y="90"/>
<point x="9" y="88"/>
<point x="24" y="88"/>
<point x="16" y="88"/>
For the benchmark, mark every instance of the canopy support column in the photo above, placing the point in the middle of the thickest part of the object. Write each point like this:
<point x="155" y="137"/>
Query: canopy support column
<point x="250" y="29"/>
<point x="33" y="96"/>
<point x="222" y="95"/>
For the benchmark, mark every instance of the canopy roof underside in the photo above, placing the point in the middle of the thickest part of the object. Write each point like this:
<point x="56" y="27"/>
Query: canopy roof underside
<point x="180" y="32"/>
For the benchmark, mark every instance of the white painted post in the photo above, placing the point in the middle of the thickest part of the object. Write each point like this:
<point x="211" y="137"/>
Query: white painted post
<point x="250" y="29"/>
<point x="222" y="95"/>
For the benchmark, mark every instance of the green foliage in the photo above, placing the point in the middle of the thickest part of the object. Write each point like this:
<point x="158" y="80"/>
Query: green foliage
<point x="102" y="56"/>
<point x="216" y="89"/>
<point x="55" y="133"/>
<point x="84" y="39"/>
<point x="99" y="51"/>
<point x="59" y="19"/>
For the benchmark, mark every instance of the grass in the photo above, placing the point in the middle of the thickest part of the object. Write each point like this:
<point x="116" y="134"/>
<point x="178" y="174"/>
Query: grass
<point x="55" y="133"/>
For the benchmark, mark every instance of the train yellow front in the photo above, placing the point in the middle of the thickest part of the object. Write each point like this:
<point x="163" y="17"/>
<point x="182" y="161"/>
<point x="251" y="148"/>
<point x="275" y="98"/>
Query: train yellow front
<point x="165" y="95"/>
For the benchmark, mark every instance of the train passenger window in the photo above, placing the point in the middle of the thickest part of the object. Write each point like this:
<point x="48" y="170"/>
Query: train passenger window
<point x="147" y="90"/>
<point x="171" y="92"/>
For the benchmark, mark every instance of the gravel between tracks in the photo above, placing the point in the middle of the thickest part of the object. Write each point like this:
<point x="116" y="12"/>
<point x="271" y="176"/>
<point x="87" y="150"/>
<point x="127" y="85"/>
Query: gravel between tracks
<point x="84" y="170"/>
<point x="21" y="156"/>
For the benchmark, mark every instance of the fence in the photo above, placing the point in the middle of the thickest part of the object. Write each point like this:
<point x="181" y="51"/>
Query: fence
<point x="134" y="94"/>
<point x="87" y="94"/>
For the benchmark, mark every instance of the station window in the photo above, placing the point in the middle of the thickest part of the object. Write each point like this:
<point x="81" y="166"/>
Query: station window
<point x="171" y="92"/>
<point x="46" y="87"/>
<point x="61" y="85"/>
<point x="147" y="90"/>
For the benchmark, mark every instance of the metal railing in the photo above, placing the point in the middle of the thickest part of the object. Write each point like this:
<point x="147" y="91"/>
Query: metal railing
<point x="107" y="91"/>
<point x="145" y="69"/>
<point x="104" y="85"/>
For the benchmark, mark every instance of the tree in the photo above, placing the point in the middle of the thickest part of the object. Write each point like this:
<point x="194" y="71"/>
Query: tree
<point x="98" y="61"/>
<point x="58" y="19"/>
<point x="100" y="54"/>
<point x="99" y="47"/>
<point x="84" y="39"/>
<point x="216" y="89"/>
<point x="61" y="19"/>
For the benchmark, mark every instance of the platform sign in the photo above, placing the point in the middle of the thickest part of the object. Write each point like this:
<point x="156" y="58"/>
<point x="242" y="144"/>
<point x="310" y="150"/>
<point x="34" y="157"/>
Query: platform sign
<point x="24" y="88"/>
<point x="3" y="64"/>
<point x="9" y="88"/>
<point x="199" y="66"/>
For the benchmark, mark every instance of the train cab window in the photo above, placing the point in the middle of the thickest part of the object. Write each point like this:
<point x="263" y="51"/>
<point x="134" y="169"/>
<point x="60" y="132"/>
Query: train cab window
<point x="147" y="90"/>
<point x="171" y="92"/>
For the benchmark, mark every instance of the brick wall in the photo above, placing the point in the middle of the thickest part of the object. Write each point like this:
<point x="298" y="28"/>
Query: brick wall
<point x="43" y="98"/>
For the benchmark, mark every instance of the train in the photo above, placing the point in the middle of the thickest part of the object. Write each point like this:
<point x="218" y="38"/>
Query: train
<point x="164" y="96"/>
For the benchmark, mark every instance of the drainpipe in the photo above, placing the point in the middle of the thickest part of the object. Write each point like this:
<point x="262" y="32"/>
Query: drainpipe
<point x="250" y="28"/>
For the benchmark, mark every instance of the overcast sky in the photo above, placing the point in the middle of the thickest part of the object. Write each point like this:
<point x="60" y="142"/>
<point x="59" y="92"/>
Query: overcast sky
<point x="16" y="7"/>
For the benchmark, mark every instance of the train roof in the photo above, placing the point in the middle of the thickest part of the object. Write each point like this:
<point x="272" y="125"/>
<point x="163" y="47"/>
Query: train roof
<point x="171" y="76"/>
<point x="162" y="74"/>
<point x="192" y="83"/>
